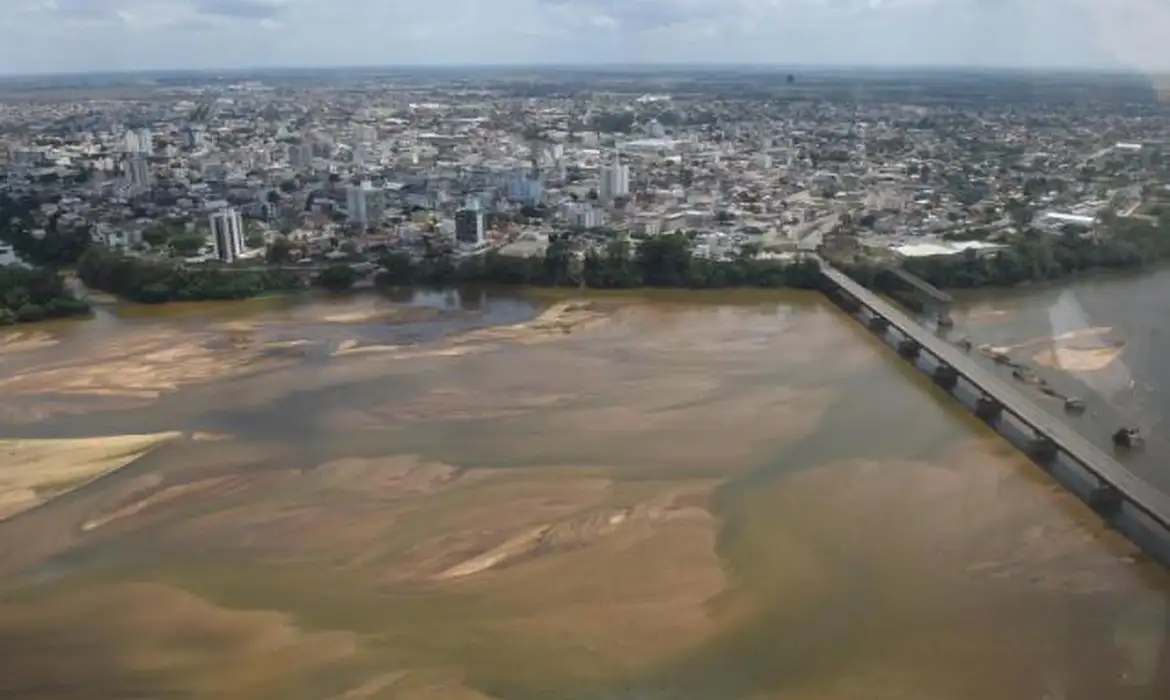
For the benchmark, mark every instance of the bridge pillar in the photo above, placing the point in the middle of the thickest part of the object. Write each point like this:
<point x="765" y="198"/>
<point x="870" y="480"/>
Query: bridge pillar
<point x="909" y="348"/>
<point x="1105" y="499"/>
<point x="988" y="409"/>
<point x="849" y="302"/>
<point x="878" y="325"/>
<point x="946" y="376"/>
<point x="1042" y="449"/>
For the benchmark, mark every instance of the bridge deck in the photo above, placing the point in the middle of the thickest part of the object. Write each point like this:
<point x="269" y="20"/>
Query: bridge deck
<point x="1141" y="494"/>
<point x="921" y="285"/>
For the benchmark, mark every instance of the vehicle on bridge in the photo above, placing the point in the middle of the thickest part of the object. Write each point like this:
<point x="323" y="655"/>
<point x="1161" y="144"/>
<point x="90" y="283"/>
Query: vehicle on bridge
<point x="1127" y="438"/>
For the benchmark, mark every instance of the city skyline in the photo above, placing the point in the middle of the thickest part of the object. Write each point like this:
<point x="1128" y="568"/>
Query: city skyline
<point x="67" y="36"/>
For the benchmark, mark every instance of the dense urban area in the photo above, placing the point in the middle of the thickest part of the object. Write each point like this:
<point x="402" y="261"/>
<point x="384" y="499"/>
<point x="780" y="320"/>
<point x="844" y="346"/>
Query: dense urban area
<point x="191" y="186"/>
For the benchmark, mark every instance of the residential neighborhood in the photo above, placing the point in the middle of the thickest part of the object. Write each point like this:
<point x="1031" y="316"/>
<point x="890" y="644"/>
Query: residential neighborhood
<point x="226" y="173"/>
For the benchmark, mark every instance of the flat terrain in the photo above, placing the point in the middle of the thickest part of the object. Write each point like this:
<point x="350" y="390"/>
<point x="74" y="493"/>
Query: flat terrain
<point x="33" y="471"/>
<point x="613" y="497"/>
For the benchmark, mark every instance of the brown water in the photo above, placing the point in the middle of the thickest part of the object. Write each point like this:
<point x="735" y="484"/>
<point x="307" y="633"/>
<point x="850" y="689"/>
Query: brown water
<point x="1111" y="351"/>
<point x="710" y="498"/>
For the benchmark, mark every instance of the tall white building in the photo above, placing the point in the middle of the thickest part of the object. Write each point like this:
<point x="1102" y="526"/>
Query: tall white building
<point x="137" y="171"/>
<point x="300" y="155"/>
<point x="364" y="204"/>
<point x="193" y="137"/>
<point x="584" y="215"/>
<point x="227" y="234"/>
<point x="615" y="181"/>
<point x="130" y="142"/>
<point x="525" y="190"/>
<point x="138" y="141"/>
<point x="145" y="142"/>
<point x="355" y="204"/>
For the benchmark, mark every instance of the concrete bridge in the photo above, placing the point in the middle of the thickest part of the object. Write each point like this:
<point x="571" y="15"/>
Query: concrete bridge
<point x="935" y="301"/>
<point x="1131" y="505"/>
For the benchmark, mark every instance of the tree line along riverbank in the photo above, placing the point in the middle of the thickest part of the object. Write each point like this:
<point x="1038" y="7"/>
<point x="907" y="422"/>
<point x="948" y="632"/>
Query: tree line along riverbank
<point x="667" y="261"/>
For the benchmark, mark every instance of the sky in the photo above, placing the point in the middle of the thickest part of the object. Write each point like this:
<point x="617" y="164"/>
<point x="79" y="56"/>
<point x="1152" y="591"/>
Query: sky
<point x="51" y="36"/>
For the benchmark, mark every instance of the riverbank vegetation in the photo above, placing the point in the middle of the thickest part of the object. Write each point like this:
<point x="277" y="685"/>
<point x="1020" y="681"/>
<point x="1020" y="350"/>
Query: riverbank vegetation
<point x="28" y="295"/>
<point x="52" y="245"/>
<point x="1036" y="256"/>
<point x="662" y="261"/>
<point x="151" y="282"/>
<point x="336" y="278"/>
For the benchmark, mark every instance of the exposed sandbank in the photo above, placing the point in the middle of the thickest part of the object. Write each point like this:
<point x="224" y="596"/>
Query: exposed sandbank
<point x="558" y="320"/>
<point x="401" y="314"/>
<point x="32" y="471"/>
<point x="24" y="341"/>
<point x="140" y="366"/>
<point x="615" y="560"/>
<point x="1074" y="360"/>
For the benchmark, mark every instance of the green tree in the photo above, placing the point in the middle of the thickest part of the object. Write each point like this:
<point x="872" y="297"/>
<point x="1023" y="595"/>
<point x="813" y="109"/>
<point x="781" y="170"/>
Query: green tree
<point x="157" y="234"/>
<point x="28" y="295"/>
<point x="616" y="265"/>
<point x="279" y="251"/>
<point x="397" y="269"/>
<point x="154" y="282"/>
<point x="336" y="278"/>
<point x="30" y="313"/>
<point x="557" y="261"/>
<point x="188" y="243"/>
<point x="665" y="260"/>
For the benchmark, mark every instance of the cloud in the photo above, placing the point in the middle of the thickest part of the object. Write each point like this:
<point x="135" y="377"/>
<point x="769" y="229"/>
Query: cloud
<point x="244" y="9"/>
<point x="68" y="35"/>
<point x="641" y="15"/>
<point x="86" y="10"/>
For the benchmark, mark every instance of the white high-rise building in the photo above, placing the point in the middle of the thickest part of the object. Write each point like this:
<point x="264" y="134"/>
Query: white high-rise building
<point x="227" y="234"/>
<point x="300" y="155"/>
<point x="364" y="204"/>
<point x="193" y="137"/>
<point x="615" y="181"/>
<point x="355" y="204"/>
<point x="145" y="142"/>
<point x="584" y="215"/>
<point x="137" y="171"/>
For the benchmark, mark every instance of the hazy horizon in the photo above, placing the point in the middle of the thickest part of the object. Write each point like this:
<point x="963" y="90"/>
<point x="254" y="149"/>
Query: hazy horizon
<point x="834" y="70"/>
<point x="42" y="37"/>
<point x="779" y="68"/>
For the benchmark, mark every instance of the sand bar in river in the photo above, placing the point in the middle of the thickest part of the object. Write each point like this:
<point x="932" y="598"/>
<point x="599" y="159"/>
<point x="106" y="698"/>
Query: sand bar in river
<point x="33" y="471"/>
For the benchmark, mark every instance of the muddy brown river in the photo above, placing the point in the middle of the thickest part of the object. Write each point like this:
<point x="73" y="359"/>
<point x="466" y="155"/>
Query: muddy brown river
<point x="475" y="495"/>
